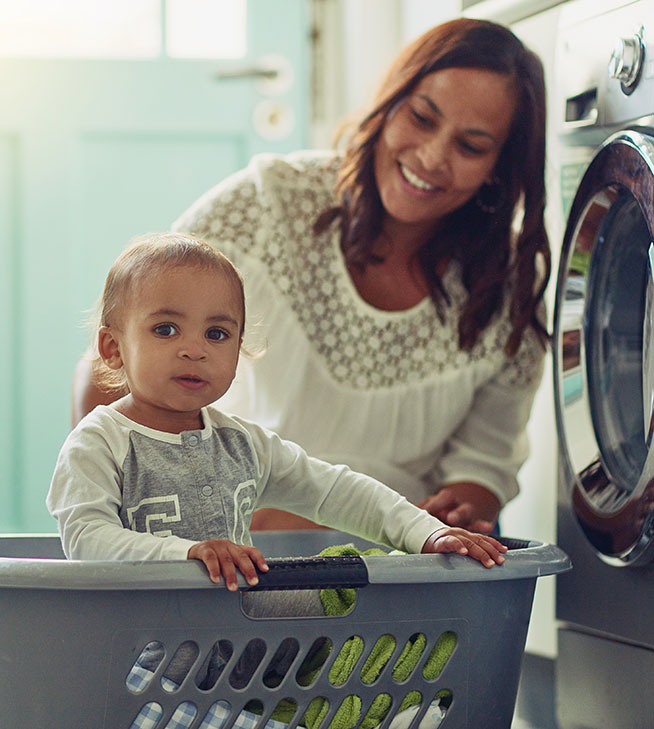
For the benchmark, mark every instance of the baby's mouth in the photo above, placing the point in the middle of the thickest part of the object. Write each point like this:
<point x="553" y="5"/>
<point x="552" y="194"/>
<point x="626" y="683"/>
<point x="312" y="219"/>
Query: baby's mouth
<point x="191" y="382"/>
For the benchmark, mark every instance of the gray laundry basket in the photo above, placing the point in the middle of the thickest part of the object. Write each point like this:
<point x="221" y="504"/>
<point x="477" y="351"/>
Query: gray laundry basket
<point x="70" y="632"/>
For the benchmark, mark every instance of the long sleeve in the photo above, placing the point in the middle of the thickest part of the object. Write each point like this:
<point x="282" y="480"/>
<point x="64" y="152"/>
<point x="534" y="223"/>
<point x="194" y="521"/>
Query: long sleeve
<point x="85" y="497"/>
<point x="491" y="444"/>
<point x="336" y="496"/>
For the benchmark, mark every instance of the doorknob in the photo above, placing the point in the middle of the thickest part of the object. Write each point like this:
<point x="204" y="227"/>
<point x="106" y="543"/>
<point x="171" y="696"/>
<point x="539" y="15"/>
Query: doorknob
<point x="273" y="74"/>
<point x="246" y="72"/>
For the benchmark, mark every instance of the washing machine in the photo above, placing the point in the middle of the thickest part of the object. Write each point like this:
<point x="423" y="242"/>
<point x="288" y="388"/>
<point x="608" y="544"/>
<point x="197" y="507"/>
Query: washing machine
<point x="603" y="353"/>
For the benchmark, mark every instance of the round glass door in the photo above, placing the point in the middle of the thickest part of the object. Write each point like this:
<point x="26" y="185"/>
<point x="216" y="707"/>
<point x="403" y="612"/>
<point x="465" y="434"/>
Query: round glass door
<point x="604" y="373"/>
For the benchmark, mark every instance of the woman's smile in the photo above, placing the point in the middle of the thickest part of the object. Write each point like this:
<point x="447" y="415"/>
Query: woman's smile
<point x="414" y="180"/>
<point x="441" y="144"/>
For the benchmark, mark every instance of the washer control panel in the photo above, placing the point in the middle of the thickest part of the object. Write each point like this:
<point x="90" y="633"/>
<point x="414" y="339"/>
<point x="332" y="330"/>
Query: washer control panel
<point x="626" y="61"/>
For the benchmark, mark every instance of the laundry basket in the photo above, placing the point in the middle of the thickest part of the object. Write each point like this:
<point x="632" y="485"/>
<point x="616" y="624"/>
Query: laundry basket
<point x="71" y="633"/>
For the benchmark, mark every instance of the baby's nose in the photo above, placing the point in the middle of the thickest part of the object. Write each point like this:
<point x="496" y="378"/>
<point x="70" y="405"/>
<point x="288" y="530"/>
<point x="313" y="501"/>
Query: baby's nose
<point x="192" y="349"/>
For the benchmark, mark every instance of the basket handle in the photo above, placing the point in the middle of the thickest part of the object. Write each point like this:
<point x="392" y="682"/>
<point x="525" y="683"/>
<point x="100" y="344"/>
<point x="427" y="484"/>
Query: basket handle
<point x="305" y="573"/>
<point x="513" y="543"/>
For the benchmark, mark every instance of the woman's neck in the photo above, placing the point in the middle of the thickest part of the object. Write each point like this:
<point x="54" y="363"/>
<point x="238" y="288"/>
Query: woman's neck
<point x="394" y="283"/>
<point x="397" y="282"/>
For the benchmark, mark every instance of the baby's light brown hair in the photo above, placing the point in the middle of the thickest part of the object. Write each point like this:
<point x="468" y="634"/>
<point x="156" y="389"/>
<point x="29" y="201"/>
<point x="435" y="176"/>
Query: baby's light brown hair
<point x="147" y="256"/>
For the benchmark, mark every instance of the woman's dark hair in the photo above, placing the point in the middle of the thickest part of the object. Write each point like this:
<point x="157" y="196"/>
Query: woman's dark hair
<point x="491" y="252"/>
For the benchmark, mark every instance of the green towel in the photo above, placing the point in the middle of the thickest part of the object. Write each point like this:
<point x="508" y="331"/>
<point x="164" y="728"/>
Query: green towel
<point x="338" y="602"/>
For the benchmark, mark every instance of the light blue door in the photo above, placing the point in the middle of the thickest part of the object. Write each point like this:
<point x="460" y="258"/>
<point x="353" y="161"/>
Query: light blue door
<point x="93" y="152"/>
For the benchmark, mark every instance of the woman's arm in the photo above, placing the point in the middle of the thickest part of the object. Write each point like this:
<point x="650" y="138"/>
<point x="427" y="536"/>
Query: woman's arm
<point x="85" y="395"/>
<point x="477" y="474"/>
<point x="278" y="520"/>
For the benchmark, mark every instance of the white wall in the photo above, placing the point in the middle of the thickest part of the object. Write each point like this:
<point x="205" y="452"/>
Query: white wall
<point x="354" y="57"/>
<point x="420" y="15"/>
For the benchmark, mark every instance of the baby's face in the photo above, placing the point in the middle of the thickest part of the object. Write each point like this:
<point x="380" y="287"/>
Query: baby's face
<point x="180" y="338"/>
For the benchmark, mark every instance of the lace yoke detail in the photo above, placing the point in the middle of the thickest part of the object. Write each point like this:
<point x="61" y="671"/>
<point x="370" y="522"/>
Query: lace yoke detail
<point x="375" y="349"/>
<point x="271" y="222"/>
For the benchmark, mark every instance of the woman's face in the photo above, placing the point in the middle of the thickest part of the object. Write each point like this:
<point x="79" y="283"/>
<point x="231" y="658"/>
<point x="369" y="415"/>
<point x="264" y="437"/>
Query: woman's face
<point x="441" y="143"/>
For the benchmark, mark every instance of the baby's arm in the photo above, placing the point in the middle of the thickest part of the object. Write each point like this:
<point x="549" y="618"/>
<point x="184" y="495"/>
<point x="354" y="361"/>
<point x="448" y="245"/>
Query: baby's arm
<point x="481" y="547"/>
<point x="222" y="557"/>
<point x="343" y="499"/>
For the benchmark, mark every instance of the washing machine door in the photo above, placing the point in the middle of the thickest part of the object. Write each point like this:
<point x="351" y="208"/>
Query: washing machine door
<point x="603" y="350"/>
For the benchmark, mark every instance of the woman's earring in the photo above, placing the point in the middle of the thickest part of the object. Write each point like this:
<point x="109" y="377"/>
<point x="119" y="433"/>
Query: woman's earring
<point x="490" y="196"/>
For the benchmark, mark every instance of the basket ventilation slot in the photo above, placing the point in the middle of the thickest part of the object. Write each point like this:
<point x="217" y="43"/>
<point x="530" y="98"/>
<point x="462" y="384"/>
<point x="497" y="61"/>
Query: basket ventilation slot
<point x="357" y="662"/>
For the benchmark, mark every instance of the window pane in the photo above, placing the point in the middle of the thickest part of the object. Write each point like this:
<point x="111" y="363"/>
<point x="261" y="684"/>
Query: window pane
<point x="80" y="28"/>
<point x="206" y="28"/>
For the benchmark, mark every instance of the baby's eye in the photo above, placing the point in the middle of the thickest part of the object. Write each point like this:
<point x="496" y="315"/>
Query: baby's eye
<point x="165" y="330"/>
<point x="216" y="334"/>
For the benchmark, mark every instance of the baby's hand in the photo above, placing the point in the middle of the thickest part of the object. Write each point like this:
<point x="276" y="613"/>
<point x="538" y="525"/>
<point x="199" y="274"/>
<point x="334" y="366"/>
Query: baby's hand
<point x="481" y="547"/>
<point x="223" y="557"/>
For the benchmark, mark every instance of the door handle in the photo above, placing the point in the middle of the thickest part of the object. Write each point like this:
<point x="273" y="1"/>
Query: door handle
<point x="272" y="74"/>
<point x="254" y="71"/>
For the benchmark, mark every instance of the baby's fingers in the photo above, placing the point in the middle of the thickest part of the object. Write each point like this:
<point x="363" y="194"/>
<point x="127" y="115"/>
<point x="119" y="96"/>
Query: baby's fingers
<point x="222" y="558"/>
<point x="485" y="551"/>
<point x="208" y="557"/>
<point x="449" y="543"/>
<point x="247" y="559"/>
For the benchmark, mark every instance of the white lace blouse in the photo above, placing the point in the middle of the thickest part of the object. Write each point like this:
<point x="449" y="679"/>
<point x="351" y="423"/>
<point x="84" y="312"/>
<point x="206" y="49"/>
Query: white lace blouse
<point x="389" y="393"/>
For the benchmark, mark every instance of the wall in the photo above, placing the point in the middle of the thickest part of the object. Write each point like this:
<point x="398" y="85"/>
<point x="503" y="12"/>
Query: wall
<point x="350" y="60"/>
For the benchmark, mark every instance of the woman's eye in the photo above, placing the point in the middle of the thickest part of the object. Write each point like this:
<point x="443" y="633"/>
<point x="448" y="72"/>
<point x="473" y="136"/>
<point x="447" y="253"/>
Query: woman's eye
<point x="471" y="149"/>
<point x="421" y="119"/>
<point x="216" y="335"/>
<point x="165" y="330"/>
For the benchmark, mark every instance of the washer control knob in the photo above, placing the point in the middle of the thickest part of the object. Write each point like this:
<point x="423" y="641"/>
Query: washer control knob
<point x="626" y="60"/>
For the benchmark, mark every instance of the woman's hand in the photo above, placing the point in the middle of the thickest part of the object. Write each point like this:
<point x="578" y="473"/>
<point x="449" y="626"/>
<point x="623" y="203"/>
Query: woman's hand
<point x="467" y="505"/>
<point x="481" y="547"/>
<point x="222" y="557"/>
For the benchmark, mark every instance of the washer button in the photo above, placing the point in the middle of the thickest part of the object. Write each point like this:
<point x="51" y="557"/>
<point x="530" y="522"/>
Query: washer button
<point x="207" y="491"/>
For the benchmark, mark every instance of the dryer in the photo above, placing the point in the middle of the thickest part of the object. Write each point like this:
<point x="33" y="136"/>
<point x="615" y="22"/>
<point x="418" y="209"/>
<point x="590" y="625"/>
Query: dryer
<point x="604" y="366"/>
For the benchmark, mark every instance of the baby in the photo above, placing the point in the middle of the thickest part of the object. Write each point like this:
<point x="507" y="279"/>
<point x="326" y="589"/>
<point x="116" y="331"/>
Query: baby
<point x="163" y="474"/>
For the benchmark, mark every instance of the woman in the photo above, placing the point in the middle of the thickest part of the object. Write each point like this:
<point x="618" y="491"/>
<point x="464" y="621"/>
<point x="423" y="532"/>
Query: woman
<point x="406" y="337"/>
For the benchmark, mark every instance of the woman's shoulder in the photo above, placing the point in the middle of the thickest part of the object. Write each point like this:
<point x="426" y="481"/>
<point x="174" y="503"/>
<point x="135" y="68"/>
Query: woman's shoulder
<point x="296" y="173"/>
<point x="298" y="163"/>
<point x="270" y="192"/>
<point x="302" y="168"/>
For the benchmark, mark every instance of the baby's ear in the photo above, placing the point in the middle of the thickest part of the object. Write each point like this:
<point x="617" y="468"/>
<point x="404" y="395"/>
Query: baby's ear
<point x="109" y="348"/>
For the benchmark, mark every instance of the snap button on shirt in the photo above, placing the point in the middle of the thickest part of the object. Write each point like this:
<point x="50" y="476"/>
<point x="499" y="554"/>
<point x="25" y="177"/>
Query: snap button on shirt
<point x="193" y="440"/>
<point x="207" y="491"/>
